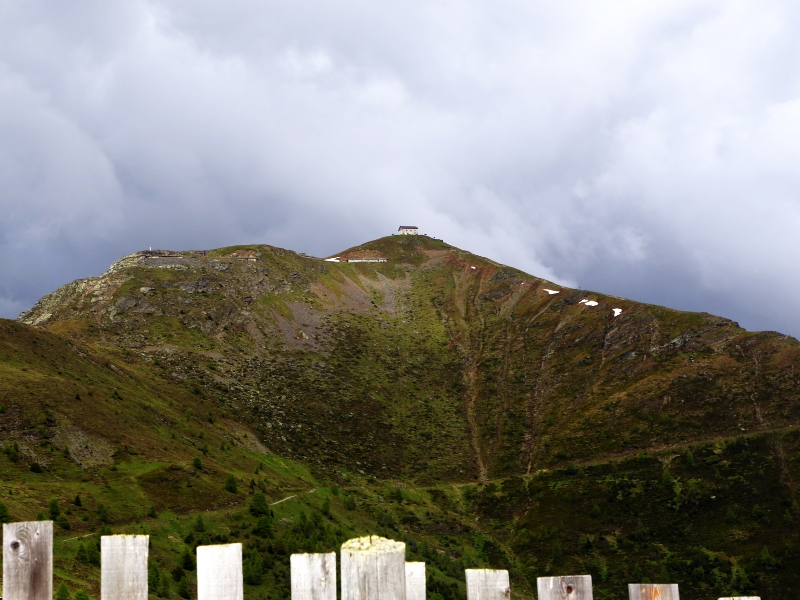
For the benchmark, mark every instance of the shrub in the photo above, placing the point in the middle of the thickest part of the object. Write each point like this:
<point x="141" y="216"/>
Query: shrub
<point x="230" y="484"/>
<point x="63" y="522"/>
<point x="263" y="527"/>
<point x="252" y="571"/>
<point x="4" y="516"/>
<point x="153" y="577"/>
<point x="199" y="525"/>
<point x="93" y="554"/>
<point x="187" y="561"/>
<point x="599" y="563"/>
<point x="739" y="580"/>
<point x="164" y="591"/>
<point x="197" y="463"/>
<point x="258" y="506"/>
<point x="12" y="450"/>
<point x="63" y="593"/>
<point x="667" y="479"/>
<point x="81" y="555"/>
<point x="102" y="514"/>
<point x="82" y="595"/>
<point x="767" y="560"/>
<point x="35" y="467"/>
<point x="183" y="588"/>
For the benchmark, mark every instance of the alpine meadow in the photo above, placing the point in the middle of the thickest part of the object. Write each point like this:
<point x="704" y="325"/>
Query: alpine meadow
<point x="484" y="416"/>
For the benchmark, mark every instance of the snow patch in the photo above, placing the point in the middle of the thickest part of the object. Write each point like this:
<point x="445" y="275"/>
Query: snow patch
<point x="550" y="291"/>
<point x="591" y="303"/>
<point x="617" y="311"/>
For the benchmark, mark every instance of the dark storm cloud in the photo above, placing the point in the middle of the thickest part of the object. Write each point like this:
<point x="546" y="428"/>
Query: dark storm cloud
<point x="641" y="149"/>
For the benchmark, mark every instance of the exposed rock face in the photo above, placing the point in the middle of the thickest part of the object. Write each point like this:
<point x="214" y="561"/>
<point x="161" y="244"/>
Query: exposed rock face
<point x="437" y="364"/>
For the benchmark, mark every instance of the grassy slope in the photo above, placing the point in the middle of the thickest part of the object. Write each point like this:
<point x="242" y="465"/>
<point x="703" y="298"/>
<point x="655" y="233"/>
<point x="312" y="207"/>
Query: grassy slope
<point x="514" y="419"/>
<point x="137" y="439"/>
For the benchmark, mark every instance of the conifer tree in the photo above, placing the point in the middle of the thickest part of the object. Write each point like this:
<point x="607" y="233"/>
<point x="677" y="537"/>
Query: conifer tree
<point x="183" y="588"/>
<point x="63" y="593"/>
<point x="54" y="510"/>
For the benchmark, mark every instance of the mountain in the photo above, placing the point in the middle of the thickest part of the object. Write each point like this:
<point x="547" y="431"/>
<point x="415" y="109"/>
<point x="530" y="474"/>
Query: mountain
<point x="488" y="416"/>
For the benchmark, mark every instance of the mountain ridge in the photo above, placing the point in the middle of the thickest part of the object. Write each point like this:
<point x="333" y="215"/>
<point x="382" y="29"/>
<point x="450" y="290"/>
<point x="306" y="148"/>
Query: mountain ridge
<point x="553" y="350"/>
<point x="438" y="398"/>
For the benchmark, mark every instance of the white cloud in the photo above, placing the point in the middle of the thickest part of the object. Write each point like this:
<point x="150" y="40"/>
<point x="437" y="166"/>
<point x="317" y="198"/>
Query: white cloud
<point x="637" y="148"/>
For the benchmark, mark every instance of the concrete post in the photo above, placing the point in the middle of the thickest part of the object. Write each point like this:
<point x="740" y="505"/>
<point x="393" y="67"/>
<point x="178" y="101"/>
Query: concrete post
<point x="123" y="570"/>
<point x="415" y="581"/>
<point x="313" y="576"/>
<point x="573" y="587"/>
<point x="28" y="560"/>
<point x="373" y="568"/>
<point x="487" y="584"/>
<point x="219" y="572"/>
<point x="653" y="591"/>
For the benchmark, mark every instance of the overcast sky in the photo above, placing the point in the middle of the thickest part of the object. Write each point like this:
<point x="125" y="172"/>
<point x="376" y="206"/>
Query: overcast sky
<point x="644" y="149"/>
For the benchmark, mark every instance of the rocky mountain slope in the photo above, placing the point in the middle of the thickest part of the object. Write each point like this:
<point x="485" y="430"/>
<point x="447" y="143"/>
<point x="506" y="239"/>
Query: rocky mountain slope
<point x="435" y="364"/>
<point x="515" y="422"/>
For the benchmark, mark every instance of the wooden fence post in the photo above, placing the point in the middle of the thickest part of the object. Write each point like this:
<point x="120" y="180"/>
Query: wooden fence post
<point x="28" y="560"/>
<point x="123" y="570"/>
<point x="573" y="587"/>
<point x="653" y="591"/>
<point x="219" y="572"/>
<point x="313" y="576"/>
<point x="487" y="584"/>
<point x="415" y="581"/>
<point x="373" y="568"/>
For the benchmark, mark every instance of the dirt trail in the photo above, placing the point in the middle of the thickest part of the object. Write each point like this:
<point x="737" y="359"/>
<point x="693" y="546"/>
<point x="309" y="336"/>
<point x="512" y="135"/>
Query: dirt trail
<point x="293" y="496"/>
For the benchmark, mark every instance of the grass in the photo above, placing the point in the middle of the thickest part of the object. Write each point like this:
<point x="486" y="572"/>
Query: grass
<point x="522" y="431"/>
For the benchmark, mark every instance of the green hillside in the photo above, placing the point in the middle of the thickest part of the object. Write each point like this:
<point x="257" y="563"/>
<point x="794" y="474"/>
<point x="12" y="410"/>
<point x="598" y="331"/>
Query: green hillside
<point x="437" y="397"/>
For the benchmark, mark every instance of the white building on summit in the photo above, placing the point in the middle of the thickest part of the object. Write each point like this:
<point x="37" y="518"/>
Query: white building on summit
<point x="408" y="230"/>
